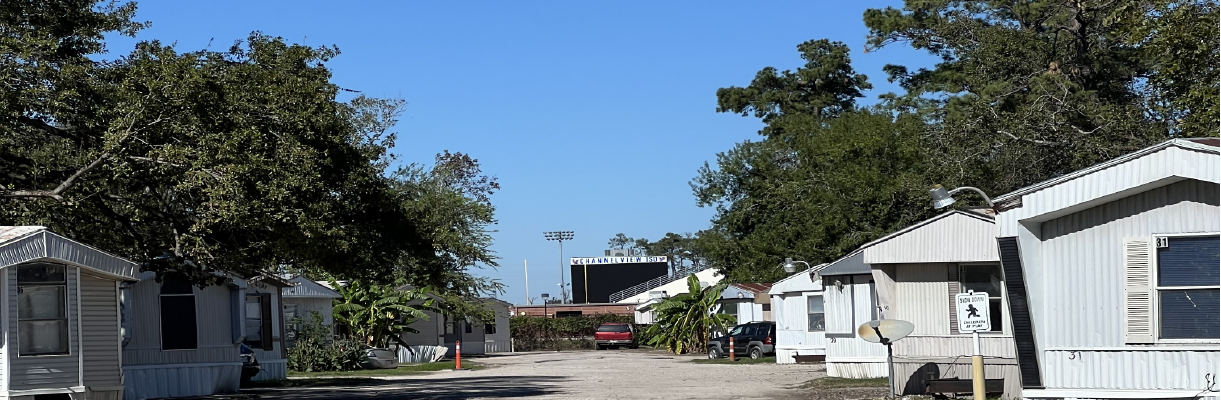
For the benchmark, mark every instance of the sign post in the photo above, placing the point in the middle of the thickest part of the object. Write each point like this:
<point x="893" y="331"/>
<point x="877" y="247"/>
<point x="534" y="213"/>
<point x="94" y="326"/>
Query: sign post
<point x="973" y="317"/>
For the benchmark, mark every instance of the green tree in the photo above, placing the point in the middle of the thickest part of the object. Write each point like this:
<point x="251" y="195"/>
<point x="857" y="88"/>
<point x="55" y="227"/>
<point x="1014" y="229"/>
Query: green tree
<point x="377" y="313"/>
<point x="239" y="160"/>
<point x="620" y="241"/>
<point x="684" y="321"/>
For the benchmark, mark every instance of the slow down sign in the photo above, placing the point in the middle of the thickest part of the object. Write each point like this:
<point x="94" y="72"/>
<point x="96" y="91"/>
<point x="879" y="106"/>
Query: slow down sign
<point x="972" y="312"/>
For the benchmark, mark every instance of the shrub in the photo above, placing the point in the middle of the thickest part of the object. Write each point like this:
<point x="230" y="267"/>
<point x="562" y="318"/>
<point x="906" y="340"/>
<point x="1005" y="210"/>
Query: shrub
<point x="314" y="349"/>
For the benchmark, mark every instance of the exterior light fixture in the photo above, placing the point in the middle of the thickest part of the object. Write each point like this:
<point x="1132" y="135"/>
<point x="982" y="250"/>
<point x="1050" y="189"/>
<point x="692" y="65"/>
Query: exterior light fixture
<point x="943" y="198"/>
<point x="790" y="265"/>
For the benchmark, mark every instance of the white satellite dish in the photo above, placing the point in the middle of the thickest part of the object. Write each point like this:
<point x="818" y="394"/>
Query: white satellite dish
<point x="885" y="331"/>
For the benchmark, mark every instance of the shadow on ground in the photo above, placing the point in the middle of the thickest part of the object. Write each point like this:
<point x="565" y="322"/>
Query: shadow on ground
<point x="453" y="386"/>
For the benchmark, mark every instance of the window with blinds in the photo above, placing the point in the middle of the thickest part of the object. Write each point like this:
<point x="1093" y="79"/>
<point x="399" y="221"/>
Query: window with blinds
<point x="1188" y="287"/>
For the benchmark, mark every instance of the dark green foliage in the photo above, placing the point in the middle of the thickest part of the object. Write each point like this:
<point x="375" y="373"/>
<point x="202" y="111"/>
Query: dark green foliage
<point x="314" y="349"/>
<point x="539" y="333"/>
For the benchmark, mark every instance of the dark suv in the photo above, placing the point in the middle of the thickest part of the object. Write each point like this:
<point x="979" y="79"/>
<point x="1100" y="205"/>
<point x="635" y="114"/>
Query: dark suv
<point x="756" y="339"/>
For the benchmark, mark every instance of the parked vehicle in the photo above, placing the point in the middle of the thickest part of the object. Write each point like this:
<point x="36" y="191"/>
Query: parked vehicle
<point x="379" y="358"/>
<point x="616" y="334"/>
<point x="753" y="339"/>
<point x="250" y="364"/>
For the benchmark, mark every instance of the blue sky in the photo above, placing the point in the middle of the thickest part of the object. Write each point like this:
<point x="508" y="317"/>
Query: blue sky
<point x="594" y="116"/>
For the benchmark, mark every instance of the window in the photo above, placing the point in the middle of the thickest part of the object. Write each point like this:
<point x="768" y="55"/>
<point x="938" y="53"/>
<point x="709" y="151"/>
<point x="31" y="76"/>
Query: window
<point x="1188" y="287"/>
<point x="42" y="309"/>
<point x="814" y="313"/>
<point x="985" y="278"/>
<point x="489" y="329"/>
<point x="258" y="321"/>
<point x="730" y="309"/>
<point x="468" y="327"/>
<point x="178" y="329"/>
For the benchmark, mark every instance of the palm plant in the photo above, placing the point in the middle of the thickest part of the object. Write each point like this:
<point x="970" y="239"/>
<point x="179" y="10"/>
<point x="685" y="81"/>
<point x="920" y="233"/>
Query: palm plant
<point x="683" y="322"/>
<point x="376" y="314"/>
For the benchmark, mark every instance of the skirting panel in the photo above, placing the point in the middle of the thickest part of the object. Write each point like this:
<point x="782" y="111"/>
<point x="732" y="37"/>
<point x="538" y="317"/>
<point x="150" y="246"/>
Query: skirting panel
<point x="421" y="354"/>
<point x="272" y="370"/>
<point x="857" y="370"/>
<point x="179" y="380"/>
<point x="497" y="346"/>
<point x="785" y="355"/>
<point x="106" y="395"/>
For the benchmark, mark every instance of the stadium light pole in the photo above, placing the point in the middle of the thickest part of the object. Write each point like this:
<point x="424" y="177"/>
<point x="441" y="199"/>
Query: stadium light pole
<point x="560" y="236"/>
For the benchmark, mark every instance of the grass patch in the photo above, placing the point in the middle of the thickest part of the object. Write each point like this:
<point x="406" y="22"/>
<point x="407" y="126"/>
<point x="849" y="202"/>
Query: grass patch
<point x="403" y="369"/>
<point x="738" y="360"/>
<point x="830" y="382"/>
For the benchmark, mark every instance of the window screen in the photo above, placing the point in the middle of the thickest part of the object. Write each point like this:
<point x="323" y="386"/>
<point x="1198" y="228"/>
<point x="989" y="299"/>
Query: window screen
<point x="985" y="278"/>
<point x="1189" y="287"/>
<point x="42" y="317"/>
<point x="814" y="312"/>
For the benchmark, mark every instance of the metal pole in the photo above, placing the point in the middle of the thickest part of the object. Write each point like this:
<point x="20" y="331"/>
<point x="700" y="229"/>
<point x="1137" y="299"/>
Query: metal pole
<point x="526" y="265"/>
<point x="977" y="369"/>
<point x="890" y="368"/>
<point x="563" y="293"/>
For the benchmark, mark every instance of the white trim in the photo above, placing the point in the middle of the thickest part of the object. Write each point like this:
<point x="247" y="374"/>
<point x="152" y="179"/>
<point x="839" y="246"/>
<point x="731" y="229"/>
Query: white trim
<point x="118" y="312"/>
<point x="1185" y="144"/>
<point x="1115" y="393"/>
<point x="80" y="350"/>
<point x="35" y="392"/>
<point x="5" y="313"/>
<point x="185" y="365"/>
<point x="869" y="360"/>
<point x="1138" y="348"/>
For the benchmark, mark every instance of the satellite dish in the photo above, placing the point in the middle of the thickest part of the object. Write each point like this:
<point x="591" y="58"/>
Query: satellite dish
<point x="885" y="331"/>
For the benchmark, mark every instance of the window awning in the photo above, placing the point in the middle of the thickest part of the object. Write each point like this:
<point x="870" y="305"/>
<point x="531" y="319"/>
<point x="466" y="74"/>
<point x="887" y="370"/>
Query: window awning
<point x="853" y="264"/>
<point x="22" y="244"/>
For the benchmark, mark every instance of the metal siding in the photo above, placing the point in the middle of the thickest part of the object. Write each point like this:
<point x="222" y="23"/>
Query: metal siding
<point x="956" y="237"/>
<point x="1083" y="258"/>
<point x="921" y="297"/>
<point x="272" y="370"/>
<point x="853" y="357"/>
<point x="181" y="380"/>
<point x="309" y="289"/>
<point x="1126" y="179"/>
<point x="277" y="310"/>
<point x="100" y="332"/>
<point x="212" y="313"/>
<point x="50" y="245"/>
<point x="305" y="305"/>
<point x="430" y="331"/>
<point x="837" y="303"/>
<point x="43" y="372"/>
<point x="792" y="328"/>
<point x="1130" y="369"/>
<point x="917" y="346"/>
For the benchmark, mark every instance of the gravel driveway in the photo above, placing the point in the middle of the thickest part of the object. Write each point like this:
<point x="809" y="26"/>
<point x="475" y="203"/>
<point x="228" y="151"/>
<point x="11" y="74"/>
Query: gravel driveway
<point x="611" y="374"/>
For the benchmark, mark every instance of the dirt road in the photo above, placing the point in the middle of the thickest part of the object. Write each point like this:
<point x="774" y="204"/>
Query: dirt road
<point x="612" y="374"/>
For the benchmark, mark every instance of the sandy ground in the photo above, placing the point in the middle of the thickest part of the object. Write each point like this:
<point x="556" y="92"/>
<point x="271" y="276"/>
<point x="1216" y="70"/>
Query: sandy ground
<point x="610" y="374"/>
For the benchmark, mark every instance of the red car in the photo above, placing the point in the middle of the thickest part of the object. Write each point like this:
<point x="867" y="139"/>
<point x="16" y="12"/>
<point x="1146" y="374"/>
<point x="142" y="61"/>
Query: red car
<point x="616" y="334"/>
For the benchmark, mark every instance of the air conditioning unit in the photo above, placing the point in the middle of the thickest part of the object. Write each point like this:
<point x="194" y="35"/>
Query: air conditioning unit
<point x="619" y="253"/>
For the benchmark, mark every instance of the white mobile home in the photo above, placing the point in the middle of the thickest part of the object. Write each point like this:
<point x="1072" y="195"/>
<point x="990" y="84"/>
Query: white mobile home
<point x="306" y="297"/>
<point x="60" y="308"/>
<point x="849" y="300"/>
<point x="1112" y="274"/>
<point x="743" y="301"/>
<point x="477" y="337"/>
<point x="917" y="271"/>
<point x="797" y="303"/>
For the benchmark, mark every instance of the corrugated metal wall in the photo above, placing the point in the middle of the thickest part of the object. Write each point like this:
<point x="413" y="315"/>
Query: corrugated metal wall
<point x="954" y="238"/>
<point x="430" y="330"/>
<point x="46" y="371"/>
<point x="838" y="299"/>
<point x="853" y="357"/>
<point x="954" y="346"/>
<point x="100" y="331"/>
<point x="214" y="318"/>
<point x="1083" y="258"/>
<point x="921" y="297"/>
<point x="179" y="381"/>
<point x="1130" y="369"/>
<point x="305" y="305"/>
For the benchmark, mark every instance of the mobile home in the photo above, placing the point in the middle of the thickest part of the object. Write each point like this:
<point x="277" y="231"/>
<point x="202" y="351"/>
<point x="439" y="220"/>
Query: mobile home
<point x="60" y="308"/>
<point x="797" y="304"/>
